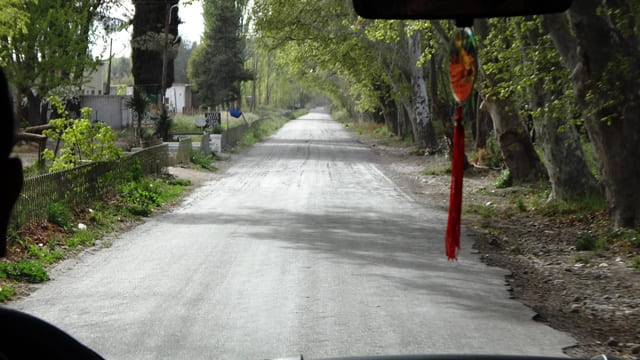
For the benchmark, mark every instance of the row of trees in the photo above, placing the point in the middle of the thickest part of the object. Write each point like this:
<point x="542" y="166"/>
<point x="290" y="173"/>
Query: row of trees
<point x="569" y="78"/>
<point x="45" y="48"/>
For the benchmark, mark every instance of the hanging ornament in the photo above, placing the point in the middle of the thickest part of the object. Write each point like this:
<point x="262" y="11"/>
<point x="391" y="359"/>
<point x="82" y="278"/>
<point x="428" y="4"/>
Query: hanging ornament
<point x="463" y="67"/>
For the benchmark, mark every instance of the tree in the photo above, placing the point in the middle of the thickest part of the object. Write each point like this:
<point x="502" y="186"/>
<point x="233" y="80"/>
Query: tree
<point x="217" y="65"/>
<point x="499" y="100"/>
<point x="81" y="140"/>
<point x="121" y="71"/>
<point x="147" y="43"/>
<point x="181" y="62"/>
<point x="599" y="45"/>
<point x="48" y="51"/>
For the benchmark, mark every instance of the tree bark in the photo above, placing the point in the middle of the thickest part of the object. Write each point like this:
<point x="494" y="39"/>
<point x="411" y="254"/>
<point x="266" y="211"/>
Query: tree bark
<point x="568" y="171"/>
<point x="483" y="121"/>
<point x="602" y="61"/>
<point x="517" y="150"/>
<point x="422" y="118"/>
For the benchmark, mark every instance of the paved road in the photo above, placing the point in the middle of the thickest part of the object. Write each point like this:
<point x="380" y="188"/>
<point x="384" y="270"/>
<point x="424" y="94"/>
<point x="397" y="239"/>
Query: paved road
<point x="305" y="246"/>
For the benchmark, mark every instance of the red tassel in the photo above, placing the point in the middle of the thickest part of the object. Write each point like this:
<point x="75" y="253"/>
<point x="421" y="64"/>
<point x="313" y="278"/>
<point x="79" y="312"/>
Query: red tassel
<point x="452" y="238"/>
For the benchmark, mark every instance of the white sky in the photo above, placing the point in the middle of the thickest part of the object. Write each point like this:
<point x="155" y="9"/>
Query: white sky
<point x="191" y="29"/>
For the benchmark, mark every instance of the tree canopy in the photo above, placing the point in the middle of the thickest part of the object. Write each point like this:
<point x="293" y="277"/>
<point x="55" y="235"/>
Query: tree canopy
<point x="217" y="65"/>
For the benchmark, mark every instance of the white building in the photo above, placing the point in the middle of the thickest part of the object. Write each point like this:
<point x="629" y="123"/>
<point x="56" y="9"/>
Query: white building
<point x="95" y="86"/>
<point x="178" y="98"/>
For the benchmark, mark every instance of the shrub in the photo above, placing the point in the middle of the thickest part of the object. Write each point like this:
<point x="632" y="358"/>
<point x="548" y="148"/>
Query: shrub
<point x="44" y="254"/>
<point x="217" y="129"/>
<point x="23" y="270"/>
<point x="58" y="213"/>
<point x="586" y="243"/>
<point x="504" y="180"/>
<point x="6" y="292"/>
<point x="202" y="161"/>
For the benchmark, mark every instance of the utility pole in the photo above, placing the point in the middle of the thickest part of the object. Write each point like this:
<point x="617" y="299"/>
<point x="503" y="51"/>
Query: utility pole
<point x="165" y="55"/>
<point x="107" y="91"/>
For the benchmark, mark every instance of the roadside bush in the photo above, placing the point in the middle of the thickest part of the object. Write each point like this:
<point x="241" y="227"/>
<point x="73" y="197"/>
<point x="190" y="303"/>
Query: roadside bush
<point x="81" y="139"/>
<point x="58" y="213"/>
<point x="44" y="254"/>
<point x="23" y="270"/>
<point x="204" y="162"/>
<point x="504" y="180"/>
<point x="6" y="292"/>
<point x="586" y="243"/>
<point x="217" y="129"/>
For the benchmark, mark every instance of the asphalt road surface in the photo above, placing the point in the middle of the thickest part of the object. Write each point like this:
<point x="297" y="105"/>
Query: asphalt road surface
<point x="304" y="246"/>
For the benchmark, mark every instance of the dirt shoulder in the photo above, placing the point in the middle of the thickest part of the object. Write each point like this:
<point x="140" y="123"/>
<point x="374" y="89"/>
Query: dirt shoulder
<point x="594" y="296"/>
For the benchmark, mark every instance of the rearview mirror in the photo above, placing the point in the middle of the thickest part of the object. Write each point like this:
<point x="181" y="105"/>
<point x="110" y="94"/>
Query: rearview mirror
<point x="455" y="9"/>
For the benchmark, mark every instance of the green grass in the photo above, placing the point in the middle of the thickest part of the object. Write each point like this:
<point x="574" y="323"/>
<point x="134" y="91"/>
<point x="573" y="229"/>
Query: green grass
<point x="184" y="123"/>
<point x="486" y="212"/>
<point x="202" y="161"/>
<point x="437" y="171"/>
<point x="24" y="270"/>
<point x="45" y="254"/>
<point x="579" y="207"/>
<point x="59" y="213"/>
<point x="582" y="258"/>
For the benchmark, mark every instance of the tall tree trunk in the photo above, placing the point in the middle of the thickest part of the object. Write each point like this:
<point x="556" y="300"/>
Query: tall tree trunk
<point x="422" y="118"/>
<point x="267" y="88"/>
<point x="517" y="150"/>
<point x="603" y="63"/>
<point x="483" y="121"/>
<point x="441" y="109"/>
<point x="568" y="171"/>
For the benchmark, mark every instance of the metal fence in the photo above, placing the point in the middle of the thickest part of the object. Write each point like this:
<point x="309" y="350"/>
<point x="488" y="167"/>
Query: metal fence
<point x="83" y="184"/>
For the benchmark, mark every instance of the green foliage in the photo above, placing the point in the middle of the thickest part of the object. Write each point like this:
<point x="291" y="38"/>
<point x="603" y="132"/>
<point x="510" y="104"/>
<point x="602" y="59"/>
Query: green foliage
<point x="180" y="182"/>
<point x="487" y="211"/>
<point x="6" y="292"/>
<point x="81" y="140"/>
<point x="216" y="75"/>
<point x="586" y="242"/>
<point x="44" y="45"/>
<point x="217" y="129"/>
<point x="583" y="258"/>
<point x="148" y="43"/>
<point x="635" y="262"/>
<point x="437" y="171"/>
<point x="266" y="128"/>
<point x="184" y="123"/>
<point x="579" y="207"/>
<point x="141" y="193"/>
<point x="504" y="180"/>
<point x="81" y="238"/>
<point x="202" y="161"/>
<point x="23" y="270"/>
<point x="164" y="124"/>
<point x="59" y="213"/>
<point x="44" y="254"/>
